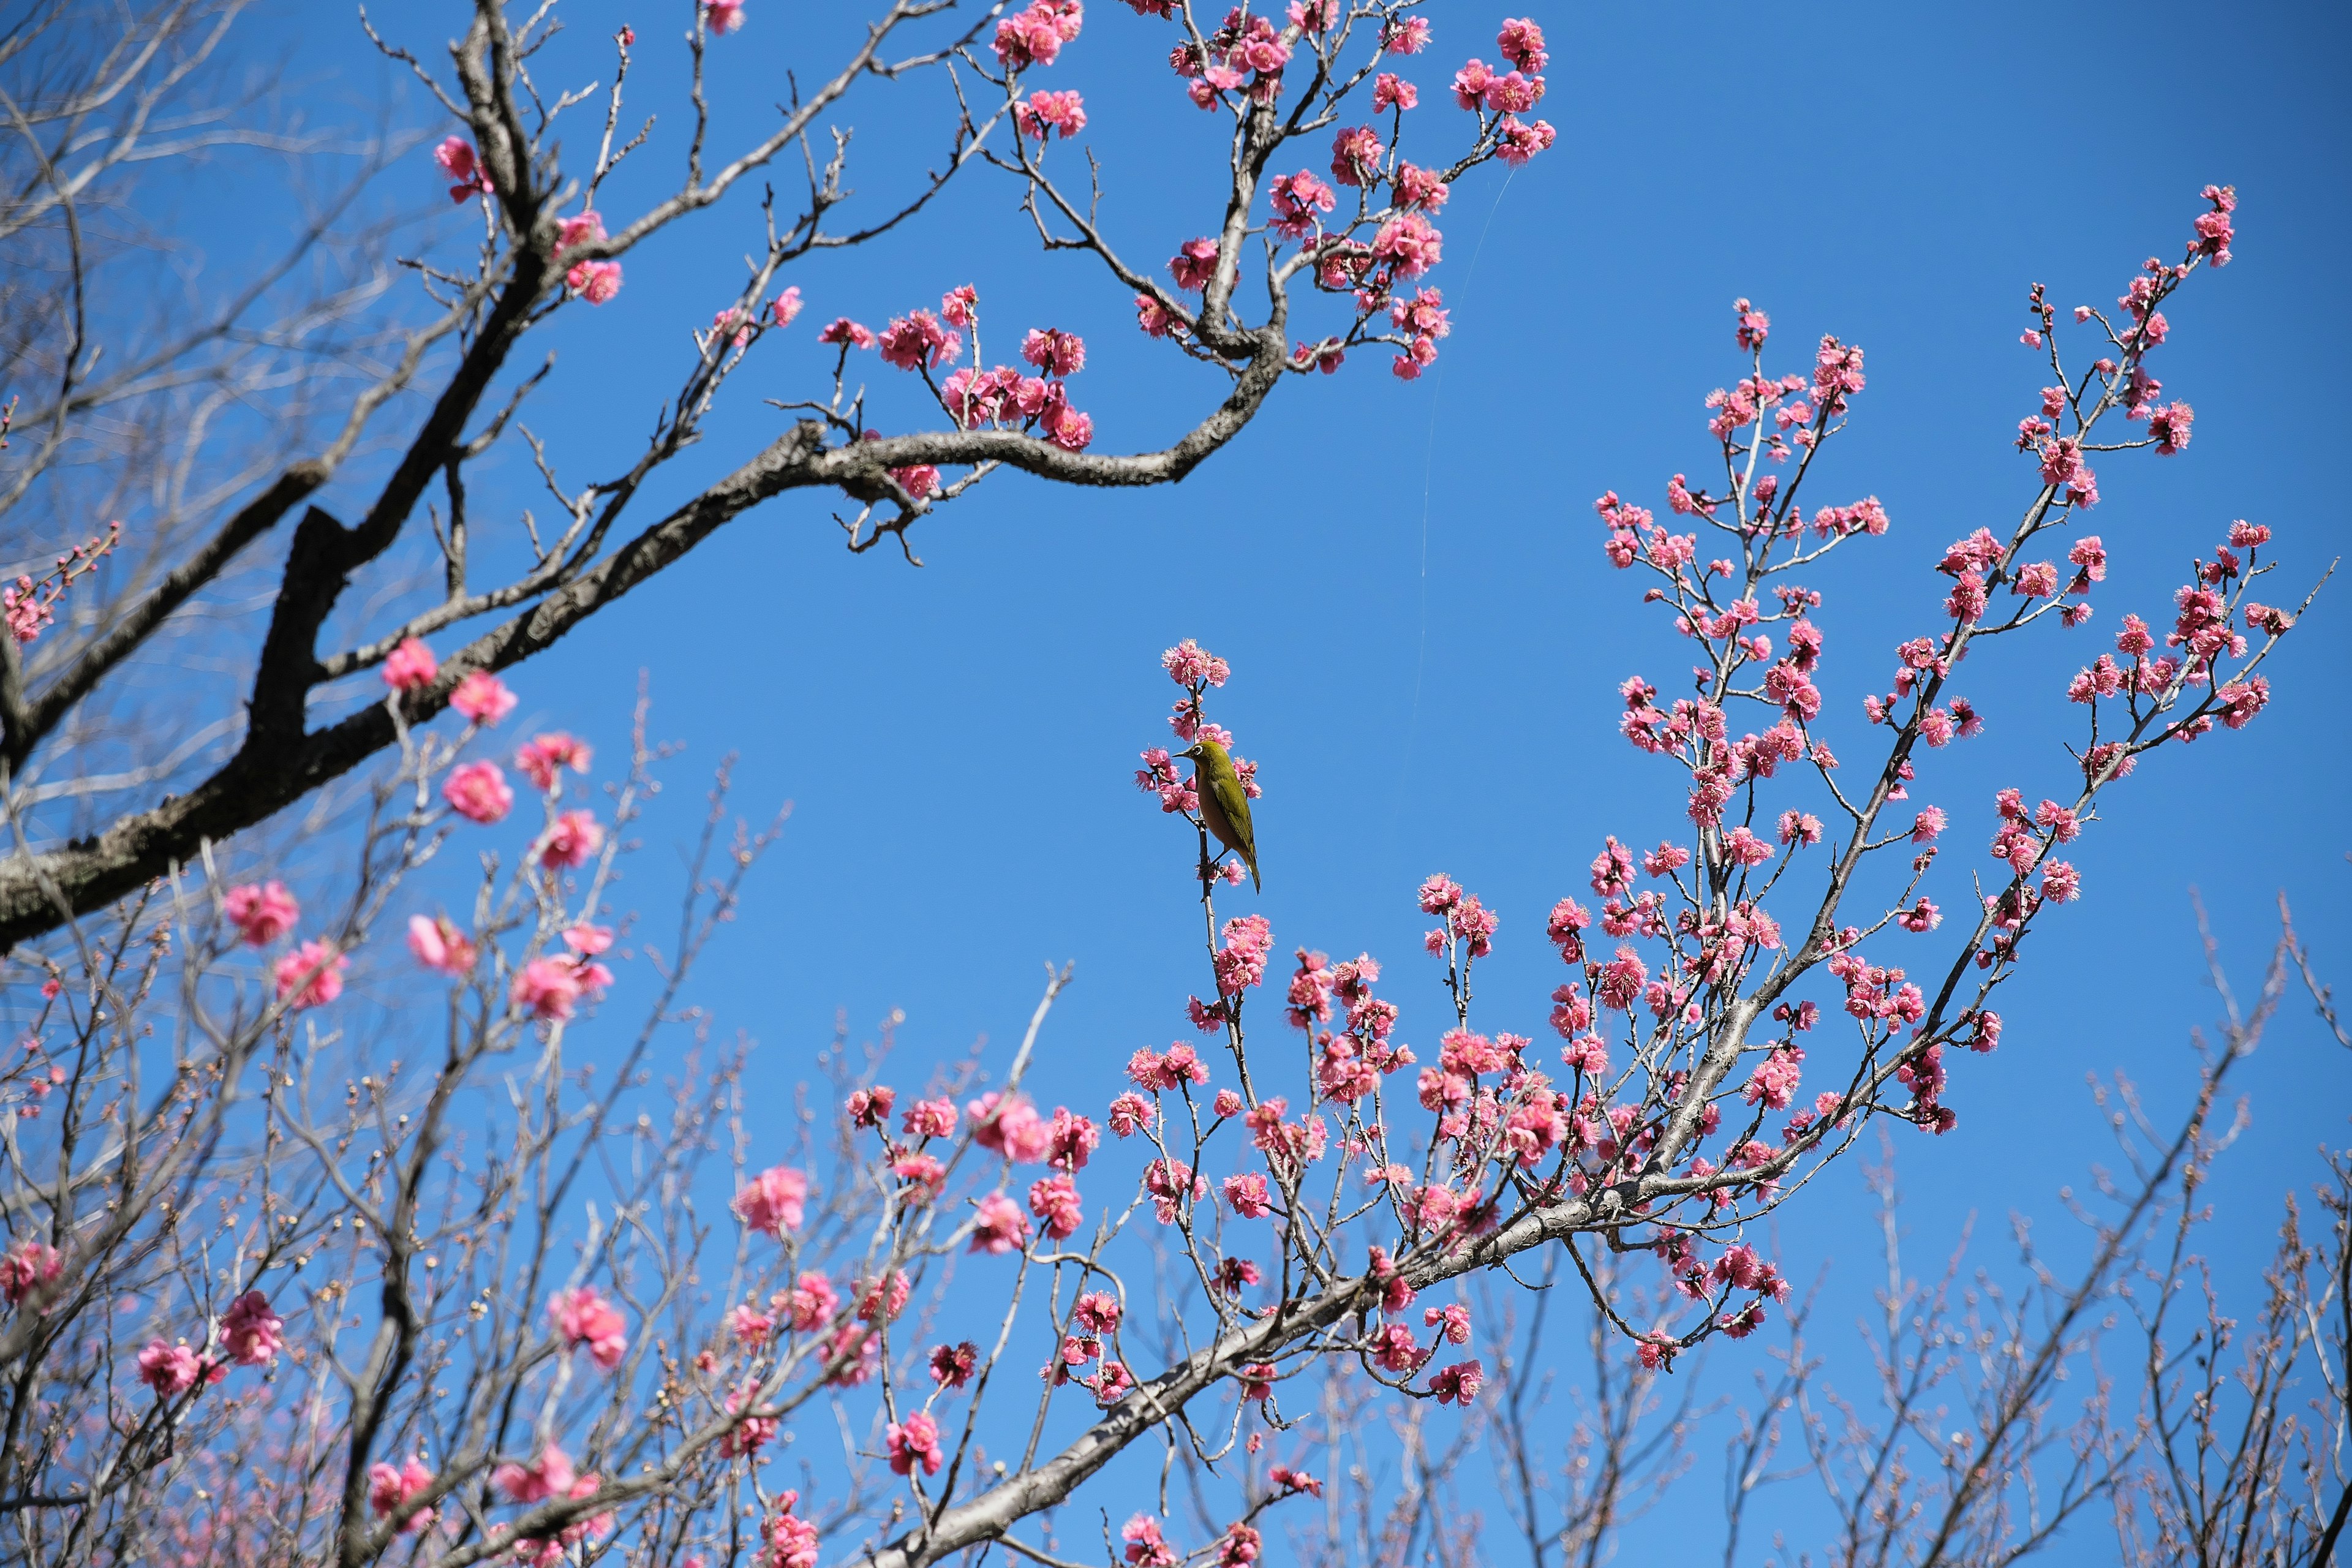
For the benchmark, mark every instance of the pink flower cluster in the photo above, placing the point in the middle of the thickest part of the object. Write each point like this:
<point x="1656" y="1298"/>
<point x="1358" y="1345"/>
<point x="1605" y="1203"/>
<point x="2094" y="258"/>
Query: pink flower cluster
<point x="995" y="398"/>
<point x="583" y="1318"/>
<point x="464" y="166"/>
<point x="1035" y="36"/>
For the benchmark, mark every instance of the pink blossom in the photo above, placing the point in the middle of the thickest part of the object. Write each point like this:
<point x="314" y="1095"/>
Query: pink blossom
<point x="2169" y="423"/>
<point x="1409" y="243"/>
<point x="1011" y="1128"/>
<point x="722" y="16"/>
<point x="911" y="341"/>
<point x="953" y="1366"/>
<point x="1297" y="198"/>
<point x="1454" y="1318"/>
<point x="1745" y="848"/>
<point x="1097" y="1311"/>
<point x="1055" y="352"/>
<point x="1470" y="84"/>
<point x="773" y="1202"/>
<point x="915" y="1441"/>
<point x="581" y="228"/>
<point x="411" y="666"/>
<point x="1390" y="90"/>
<point x="749" y="1433"/>
<point x="1045" y="112"/>
<point x="459" y="160"/>
<point x="582" y="1317"/>
<point x="846" y="332"/>
<point x="785" y="308"/>
<point x="261" y="912"/>
<point x="1146" y="1547"/>
<point x="482" y="698"/>
<point x="928" y="1118"/>
<point x="792" y="1541"/>
<point x="477" y="792"/>
<point x="549" y="989"/>
<point x="812" y="1301"/>
<point x="1036" y="36"/>
<point x="1406" y="36"/>
<point x="550" y="1474"/>
<point x="28" y="1269"/>
<point x="1458" y="1383"/>
<point x="1356" y="156"/>
<point x="1291" y="1480"/>
<point x="310" y="976"/>
<point x="1516" y="143"/>
<point x="588" y="941"/>
<point x="1054" y="1202"/>
<point x="1622" y="980"/>
<point x="171" y="1369"/>
<point x="251" y="1332"/>
<point x="1513" y="92"/>
<point x="1522" y="43"/>
<point x="731" y="324"/>
<point x="439" y="945"/>
<point x="1247" y="1196"/>
<point x="1000" y="1226"/>
<point x="390" y="1488"/>
<point x="570" y="839"/>
<point x="1194" y="264"/>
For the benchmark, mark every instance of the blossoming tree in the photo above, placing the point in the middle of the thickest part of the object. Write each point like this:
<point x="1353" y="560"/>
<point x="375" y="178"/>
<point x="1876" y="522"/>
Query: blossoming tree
<point x="1285" y="280"/>
<point x="281" y="1286"/>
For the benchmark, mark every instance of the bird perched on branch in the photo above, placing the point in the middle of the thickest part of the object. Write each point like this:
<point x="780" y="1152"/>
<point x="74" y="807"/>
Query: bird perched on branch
<point x="1224" y="804"/>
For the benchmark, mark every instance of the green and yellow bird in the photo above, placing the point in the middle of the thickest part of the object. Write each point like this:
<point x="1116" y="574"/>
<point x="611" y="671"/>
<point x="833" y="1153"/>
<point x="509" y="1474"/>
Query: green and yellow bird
<point x="1224" y="804"/>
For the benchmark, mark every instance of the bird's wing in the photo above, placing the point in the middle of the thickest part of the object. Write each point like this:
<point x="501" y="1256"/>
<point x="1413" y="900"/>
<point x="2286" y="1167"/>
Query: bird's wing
<point x="1233" y="801"/>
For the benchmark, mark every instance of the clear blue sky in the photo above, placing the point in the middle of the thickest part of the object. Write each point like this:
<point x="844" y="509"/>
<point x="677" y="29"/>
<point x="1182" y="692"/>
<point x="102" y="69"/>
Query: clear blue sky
<point x="1407" y="579"/>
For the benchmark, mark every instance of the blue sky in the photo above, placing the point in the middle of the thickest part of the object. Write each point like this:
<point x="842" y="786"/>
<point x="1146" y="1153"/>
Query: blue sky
<point x="1407" y="579"/>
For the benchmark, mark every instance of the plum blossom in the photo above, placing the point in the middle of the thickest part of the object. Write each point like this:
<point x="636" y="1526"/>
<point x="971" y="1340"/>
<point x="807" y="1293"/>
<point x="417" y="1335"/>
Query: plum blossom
<point x="171" y="1369"/>
<point x="582" y="1317"/>
<point x="917" y="339"/>
<point x="915" y="1442"/>
<point x="1458" y="1383"/>
<point x="250" y="1332"/>
<point x="549" y="1474"/>
<point x="391" y="1486"/>
<point x="459" y="161"/>
<point x="28" y="1269"/>
<point x="1035" y="35"/>
<point x="1000" y="1226"/>
<point x="440" y="946"/>
<point x="410" y="667"/>
<point x="479" y="792"/>
<point x="1046" y="113"/>
<point x="847" y="333"/>
<point x="1194" y="264"/>
<point x="570" y="839"/>
<point x="310" y="976"/>
<point x="482" y="698"/>
<point x="261" y="912"/>
<point x="772" y="1203"/>
<point x="1409" y="243"/>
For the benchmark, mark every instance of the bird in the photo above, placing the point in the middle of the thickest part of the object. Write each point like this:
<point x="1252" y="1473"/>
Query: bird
<point x="1224" y="804"/>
